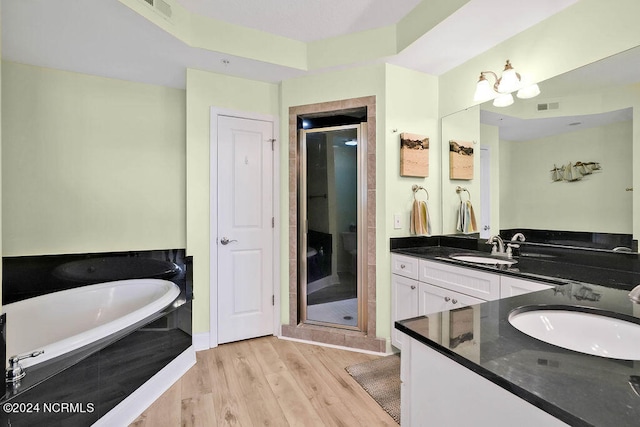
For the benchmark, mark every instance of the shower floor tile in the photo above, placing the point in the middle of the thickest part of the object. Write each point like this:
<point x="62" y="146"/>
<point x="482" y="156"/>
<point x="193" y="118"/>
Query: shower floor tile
<point x="344" y="312"/>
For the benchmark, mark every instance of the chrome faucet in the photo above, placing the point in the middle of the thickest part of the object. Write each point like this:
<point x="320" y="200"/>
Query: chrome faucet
<point x="498" y="245"/>
<point x="518" y="237"/>
<point x="15" y="372"/>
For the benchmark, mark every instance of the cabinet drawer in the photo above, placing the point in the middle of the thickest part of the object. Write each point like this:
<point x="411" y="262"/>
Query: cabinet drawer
<point x="404" y="266"/>
<point x="464" y="280"/>
<point x="511" y="286"/>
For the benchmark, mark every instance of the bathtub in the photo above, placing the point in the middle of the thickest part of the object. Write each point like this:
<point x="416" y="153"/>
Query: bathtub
<point x="64" y="321"/>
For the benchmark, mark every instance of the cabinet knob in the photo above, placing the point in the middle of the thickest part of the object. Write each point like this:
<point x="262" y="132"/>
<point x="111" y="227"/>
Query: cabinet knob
<point x="413" y="286"/>
<point x="401" y="265"/>
<point x="455" y="301"/>
<point x="447" y="299"/>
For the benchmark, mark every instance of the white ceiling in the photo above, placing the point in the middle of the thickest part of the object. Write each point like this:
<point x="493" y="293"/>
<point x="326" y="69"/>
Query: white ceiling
<point x="517" y="130"/>
<point x="599" y="77"/>
<point x="106" y="38"/>
<point x="305" y="20"/>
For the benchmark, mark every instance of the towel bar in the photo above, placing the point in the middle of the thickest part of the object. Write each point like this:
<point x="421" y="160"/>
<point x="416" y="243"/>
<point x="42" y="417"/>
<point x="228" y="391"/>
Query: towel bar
<point x="417" y="188"/>
<point x="460" y="190"/>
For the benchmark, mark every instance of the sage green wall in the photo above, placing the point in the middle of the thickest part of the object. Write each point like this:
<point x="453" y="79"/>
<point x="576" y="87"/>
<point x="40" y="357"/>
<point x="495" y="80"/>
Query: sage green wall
<point x="90" y="164"/>
<point x="314" y="89"/>
<point x="578" y="35"/>
<point x="205" y="90"/>
<point x="406" y="101"/>
<point x="411" y="106"/>
<point x="598" y="202"/>
<point x="585" y="32"/>
<point x="0" y="158"/>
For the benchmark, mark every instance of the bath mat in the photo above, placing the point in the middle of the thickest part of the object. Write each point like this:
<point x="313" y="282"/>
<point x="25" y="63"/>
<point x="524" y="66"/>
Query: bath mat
<point x="381" y="379"/>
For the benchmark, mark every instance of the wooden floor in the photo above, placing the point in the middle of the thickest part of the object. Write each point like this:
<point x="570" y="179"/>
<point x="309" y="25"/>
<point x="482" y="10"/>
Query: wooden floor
<point x="268" y="381"/>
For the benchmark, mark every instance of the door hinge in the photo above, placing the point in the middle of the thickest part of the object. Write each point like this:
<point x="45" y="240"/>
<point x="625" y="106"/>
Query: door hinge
<point x="273" y="222"/>
<point x="273" y="300"/>
<point x="272" y="142"/>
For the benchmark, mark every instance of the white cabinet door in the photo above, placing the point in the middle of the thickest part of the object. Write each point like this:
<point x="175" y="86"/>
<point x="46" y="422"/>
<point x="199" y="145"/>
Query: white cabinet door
<point x="450" y="323"/>
<point x="434" y="299"/>
<point x="510" y="286"/>
<point x="404" y="304"/>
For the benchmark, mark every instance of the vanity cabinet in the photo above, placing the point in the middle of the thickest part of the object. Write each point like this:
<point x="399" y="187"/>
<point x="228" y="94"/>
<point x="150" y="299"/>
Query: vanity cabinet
<point x="421" y="287"/>
<point x="437" y="391"/>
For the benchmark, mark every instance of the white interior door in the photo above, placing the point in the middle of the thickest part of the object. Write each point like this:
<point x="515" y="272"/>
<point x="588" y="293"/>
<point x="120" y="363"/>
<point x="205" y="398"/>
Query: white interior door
<point x="245" y="228"/>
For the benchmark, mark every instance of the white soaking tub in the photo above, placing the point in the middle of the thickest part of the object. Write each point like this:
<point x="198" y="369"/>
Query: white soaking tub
<point x="64" y="321"/>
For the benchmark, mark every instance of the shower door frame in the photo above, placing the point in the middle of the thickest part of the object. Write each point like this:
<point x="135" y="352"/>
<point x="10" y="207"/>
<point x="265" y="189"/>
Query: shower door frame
<point x="361" y="226"/>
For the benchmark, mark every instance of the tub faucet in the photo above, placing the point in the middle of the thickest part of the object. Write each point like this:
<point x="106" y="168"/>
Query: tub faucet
<point x="15" y="372"/>
<point x="498" y="245"/>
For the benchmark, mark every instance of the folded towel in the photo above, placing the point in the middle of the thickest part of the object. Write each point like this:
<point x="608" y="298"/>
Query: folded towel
<point x="466" y="222"/>
<point x="420" y="222"/>
<point x="460" y="223"/>
<point x="415" y="209"/>
<point x="426" y="218"/>
<point x="473" y="227"/>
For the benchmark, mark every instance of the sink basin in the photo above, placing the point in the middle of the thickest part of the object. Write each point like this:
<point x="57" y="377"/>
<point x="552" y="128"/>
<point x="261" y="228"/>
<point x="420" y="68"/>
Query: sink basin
<point x="482" y="260"/>
<point x="580" y="329"/>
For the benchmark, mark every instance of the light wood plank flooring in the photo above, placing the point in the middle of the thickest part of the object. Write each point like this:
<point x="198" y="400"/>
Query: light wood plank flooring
<point x="268" y="382"/>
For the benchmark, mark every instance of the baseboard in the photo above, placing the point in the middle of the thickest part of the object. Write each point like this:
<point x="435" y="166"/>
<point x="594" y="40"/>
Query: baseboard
<point x="201" y="341"/>
<point x="137" y="402"/>
<point x="339" y="347"/>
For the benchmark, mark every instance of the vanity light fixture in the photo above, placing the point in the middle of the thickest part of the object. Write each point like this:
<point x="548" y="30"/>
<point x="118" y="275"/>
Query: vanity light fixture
<point x="500" y="91"/>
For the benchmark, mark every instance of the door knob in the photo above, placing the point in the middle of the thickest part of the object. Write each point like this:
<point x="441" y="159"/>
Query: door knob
<point x="226" y="241"/>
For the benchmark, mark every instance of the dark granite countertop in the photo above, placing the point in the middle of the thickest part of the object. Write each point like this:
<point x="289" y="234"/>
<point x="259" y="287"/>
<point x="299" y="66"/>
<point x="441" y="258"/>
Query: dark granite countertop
<point x="550" y="265"/>
<point x="579" y="389"/>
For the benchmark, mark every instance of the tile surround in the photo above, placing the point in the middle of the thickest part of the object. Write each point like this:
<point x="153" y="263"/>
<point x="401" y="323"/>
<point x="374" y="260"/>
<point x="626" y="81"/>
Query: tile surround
<point x="355" y="339"/>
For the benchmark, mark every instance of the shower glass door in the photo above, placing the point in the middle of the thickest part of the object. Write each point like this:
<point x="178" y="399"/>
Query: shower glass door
<point x="331" y="232"/>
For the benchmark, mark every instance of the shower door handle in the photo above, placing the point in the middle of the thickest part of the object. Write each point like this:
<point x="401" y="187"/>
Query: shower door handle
<point x="226" y="241"/>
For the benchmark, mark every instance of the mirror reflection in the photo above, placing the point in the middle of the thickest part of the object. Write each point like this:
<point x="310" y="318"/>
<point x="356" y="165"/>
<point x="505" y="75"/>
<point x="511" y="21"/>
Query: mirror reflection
<point x="562" y="161"/>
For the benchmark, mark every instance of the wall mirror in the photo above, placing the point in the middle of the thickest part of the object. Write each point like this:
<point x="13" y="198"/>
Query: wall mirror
<point x="585" y="115"/>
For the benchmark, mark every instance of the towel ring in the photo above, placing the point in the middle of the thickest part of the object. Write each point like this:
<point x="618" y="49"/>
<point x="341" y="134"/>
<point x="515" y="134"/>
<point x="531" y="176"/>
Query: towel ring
<point x="460" y="190"/>
<point x="417" y="188"/>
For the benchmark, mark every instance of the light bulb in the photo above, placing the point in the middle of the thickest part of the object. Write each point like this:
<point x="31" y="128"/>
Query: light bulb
<point x="503" y="100"/>
<point x="528" y="92"/>
<point x="484" y="91"/>
<point x="509" y="80"/>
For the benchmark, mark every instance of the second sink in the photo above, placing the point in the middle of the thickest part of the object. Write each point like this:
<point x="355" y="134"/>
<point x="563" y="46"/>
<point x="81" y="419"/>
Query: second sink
<point x="482" y="260"/>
